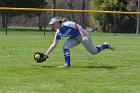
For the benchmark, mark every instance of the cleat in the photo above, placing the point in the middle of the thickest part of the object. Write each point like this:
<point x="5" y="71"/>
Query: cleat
<point x="110" y="46"/>
<point x="64" y="66"/>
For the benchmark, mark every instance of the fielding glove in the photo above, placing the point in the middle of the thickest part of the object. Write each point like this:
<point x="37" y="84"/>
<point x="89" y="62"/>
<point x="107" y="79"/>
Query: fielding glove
<point x="40" y="57"/>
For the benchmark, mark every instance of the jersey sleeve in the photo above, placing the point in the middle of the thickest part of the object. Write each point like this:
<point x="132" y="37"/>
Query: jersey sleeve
<point x="57" y="36"/>
<point x="69" y="24"/>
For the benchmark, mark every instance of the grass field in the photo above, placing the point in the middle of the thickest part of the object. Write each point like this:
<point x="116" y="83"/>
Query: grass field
<point x="107" y="72"/>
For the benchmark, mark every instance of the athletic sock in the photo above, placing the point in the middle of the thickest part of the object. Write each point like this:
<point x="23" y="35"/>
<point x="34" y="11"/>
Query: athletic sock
<point x="67" y="56"/>
<point x="102" y="47"/>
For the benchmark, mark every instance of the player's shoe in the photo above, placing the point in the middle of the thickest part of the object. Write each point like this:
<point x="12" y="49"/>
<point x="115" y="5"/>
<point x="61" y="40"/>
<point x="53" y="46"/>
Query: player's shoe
<point x="64" y="66"/>
<point x="111" y="47"/>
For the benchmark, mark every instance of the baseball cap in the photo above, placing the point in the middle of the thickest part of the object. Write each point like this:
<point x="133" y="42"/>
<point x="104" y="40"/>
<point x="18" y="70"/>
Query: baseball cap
<point x="54" y="20"/>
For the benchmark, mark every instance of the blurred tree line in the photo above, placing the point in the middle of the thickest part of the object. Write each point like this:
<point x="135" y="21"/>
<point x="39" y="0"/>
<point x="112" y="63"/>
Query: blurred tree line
<point x="42" y="18"/>
<point x="20" y="4"/>
<point x="116" y="22"/>
<point x="106" y="22"/>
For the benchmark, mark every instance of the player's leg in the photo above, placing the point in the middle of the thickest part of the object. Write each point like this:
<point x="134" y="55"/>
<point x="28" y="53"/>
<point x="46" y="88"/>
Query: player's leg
<point x="70" y="43"/>
<point x="90" y="47"/>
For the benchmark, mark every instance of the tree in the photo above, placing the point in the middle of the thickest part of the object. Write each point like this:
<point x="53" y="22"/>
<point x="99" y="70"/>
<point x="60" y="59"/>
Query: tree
<point x="54" y="7"/>
<point x="124" y="23"/>
<point x="138" y="19"/>
<point x="83" y="22"/>
<point x="70" y="4"/>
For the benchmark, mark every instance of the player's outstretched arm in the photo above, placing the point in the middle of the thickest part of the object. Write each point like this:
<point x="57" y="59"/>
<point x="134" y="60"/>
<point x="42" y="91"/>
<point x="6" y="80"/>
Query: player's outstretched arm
<point x="53" y="45"/>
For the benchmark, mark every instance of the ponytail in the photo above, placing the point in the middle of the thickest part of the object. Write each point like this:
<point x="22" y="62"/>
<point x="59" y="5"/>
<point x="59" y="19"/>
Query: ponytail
<point x="63" y="19"/>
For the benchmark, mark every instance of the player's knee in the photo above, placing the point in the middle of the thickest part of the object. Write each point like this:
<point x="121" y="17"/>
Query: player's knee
<point x="65" y="47"/>
<point x="94" y="53"/>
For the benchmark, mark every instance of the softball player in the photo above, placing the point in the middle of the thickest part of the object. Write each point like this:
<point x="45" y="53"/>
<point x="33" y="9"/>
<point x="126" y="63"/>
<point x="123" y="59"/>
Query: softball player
<point x="76" y="36"/>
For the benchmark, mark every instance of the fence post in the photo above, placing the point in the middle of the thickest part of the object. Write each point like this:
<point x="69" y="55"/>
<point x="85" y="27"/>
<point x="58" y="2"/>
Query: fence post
<point x="115" y="25"/>
<point x="45" y="23"/>
<point x="6" y="22"/>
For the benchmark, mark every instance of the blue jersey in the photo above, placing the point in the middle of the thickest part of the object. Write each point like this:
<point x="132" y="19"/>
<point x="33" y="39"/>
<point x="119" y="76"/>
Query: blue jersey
<point x="67" y="30"/>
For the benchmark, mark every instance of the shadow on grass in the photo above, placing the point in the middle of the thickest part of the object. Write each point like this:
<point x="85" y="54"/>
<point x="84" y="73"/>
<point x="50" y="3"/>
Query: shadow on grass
<point x="50" y="66"/>
<point x="106" y="67"/>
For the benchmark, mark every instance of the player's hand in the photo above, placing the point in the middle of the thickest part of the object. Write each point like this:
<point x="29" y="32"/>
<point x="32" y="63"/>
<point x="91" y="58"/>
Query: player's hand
<point x="85" y="39"/>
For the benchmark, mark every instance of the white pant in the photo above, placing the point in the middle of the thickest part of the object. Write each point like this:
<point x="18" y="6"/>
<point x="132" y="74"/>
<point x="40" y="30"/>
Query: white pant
<point x="74" y="41"/>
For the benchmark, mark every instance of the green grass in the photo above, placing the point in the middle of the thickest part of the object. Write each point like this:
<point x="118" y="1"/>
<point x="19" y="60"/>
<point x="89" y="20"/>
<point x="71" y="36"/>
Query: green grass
<point x="107" y="72"/>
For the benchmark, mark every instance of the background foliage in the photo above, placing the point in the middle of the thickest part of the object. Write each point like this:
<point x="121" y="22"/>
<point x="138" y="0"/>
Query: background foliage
<point x="123" y="23"/>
